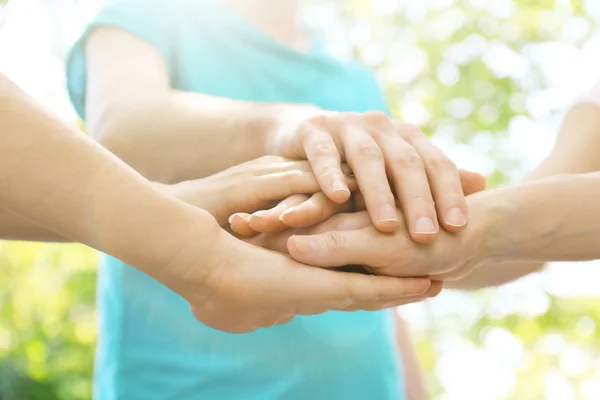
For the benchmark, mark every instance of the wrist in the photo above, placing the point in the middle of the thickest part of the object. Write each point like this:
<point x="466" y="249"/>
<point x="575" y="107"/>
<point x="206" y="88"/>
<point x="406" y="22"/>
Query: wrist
<point x="484" y="239"/>
<point x="174" y="236"/>
<point x="279" y="122"/>
<point x="195" y="250"/>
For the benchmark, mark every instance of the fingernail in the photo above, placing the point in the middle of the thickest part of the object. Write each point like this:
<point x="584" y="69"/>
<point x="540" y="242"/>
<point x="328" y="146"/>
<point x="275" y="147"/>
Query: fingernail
<point x="387" y="213"/>
<point x="455" y="217"/>
<point x="260" y="214"/>
<point x="338" y="186"/>
<point x="304" y="245"/>
<point x="230" y="220"/>
<point x="425" y="226"/>
<point x="286" y="212"/>
<point x="390" y="305"/>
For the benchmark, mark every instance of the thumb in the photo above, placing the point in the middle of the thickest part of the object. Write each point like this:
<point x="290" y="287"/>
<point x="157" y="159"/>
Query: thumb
<point x="338" y="248"/>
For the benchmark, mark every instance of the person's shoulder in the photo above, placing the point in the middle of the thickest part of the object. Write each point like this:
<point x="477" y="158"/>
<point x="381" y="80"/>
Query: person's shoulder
<point x="134" y="10"/>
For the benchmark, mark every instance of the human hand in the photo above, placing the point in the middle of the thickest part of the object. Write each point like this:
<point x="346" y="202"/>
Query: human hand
<point x="350" y="239"/>
<point x="250" y="186"/>
<point x="236" y="287"/>
<point x="300" y="211"/>
<point x="426" y="182"/>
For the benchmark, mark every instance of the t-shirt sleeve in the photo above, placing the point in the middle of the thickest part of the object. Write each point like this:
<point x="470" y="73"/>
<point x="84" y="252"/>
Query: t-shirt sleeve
<point x="377" y="99"/>
<point x="145" y="19"/>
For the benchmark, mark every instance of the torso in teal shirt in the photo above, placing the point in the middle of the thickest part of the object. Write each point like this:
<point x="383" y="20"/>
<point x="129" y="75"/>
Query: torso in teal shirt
<point x="150" y="346"/>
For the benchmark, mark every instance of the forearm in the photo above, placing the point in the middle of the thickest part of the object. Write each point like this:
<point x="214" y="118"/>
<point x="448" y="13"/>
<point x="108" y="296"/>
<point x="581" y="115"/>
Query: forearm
<point x="495" y="274"/>
<point x="176" y="136"/>
<point x="413" y="376"/>
<point x="60" y="179"/>
<point x="553" y="219"/>
<point x="577" y="151"/>
<point x="14" y="227"/>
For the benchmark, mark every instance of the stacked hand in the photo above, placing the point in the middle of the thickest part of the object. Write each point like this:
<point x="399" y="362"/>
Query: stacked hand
<point x="386" y="157"/>
<point x="244" y="287"/>
<point x="350" y="212"/>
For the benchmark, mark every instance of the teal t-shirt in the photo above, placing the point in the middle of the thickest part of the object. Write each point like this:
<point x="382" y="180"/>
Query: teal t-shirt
<point x="150" y="346"/>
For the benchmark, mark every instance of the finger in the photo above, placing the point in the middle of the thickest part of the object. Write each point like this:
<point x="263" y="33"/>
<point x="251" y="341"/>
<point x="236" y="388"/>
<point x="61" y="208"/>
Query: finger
<point x="435" y="289"/>
<point x="240" y="224"/>
<point x="445" y="184"/>
<point x="324" y="157"/>
<point x="313" y="211"/>
<point x="335" y="290"/>
<point x="274" y="164"/>
<point x="339" y="248"/>
<point x="268" y="220"/>
<point x="359" y="202"/>
<point x="409" y="177"/>
<point x="366" y="160"/>
<point x="301" y="289"/>
<point x="236" y="324"/>
<point x="472" y="182"/>
<point x="340" y="222"/>
<point x="394" y="255"/>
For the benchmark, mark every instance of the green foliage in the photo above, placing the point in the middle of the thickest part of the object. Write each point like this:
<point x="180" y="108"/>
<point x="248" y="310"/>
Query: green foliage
<point x="47" y="321"/>
<point x="429" y="58"/>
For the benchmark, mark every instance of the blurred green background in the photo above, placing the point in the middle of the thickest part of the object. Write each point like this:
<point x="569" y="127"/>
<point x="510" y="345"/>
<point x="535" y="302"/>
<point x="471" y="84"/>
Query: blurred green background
<point x="489" y="80"/>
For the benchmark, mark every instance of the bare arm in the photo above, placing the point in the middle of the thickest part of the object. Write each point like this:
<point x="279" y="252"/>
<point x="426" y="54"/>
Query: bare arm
<point x="413" y="376"/>
<point x="54" y="175"/>
<point x="577" y="150"/>
<point x="171" y="135"/>
<point x="14" y="227"/>
<point x="167" y="135"/>
<point x="552" y="219"/>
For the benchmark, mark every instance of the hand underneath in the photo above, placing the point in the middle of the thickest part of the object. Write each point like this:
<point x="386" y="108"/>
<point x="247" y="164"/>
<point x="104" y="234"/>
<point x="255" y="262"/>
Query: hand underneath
<point x="350" y="239"/>
<point x="236" y="287"/>
<point x="449" y="257"/>
<point x="250" y="186"/>
<point x="300" y="211"/>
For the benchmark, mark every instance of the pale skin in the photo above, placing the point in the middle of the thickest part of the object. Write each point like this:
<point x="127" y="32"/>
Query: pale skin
<point x="552" y="216"/>
<point x="170" y="135"/>
<point x="61" y="180"/>
<point x="413" y="376"/>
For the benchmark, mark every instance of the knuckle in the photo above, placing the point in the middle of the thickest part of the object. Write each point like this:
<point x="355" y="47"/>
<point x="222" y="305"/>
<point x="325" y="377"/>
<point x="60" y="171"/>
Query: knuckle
<point x="441" y="162"/>
<point x="270" y="159"/>
<point x="316" y="121"/>
<point x="407" y="158"/>
<point x="410" y="131"/>
<point x="290" y="177"/>
<point x="379" y="291"/>
<point x="329" y="170"/>
<point x="302" y="165"/>
<point x="335" y="240"/>
<point x="324" y="149"/>
<point x="377" y="119"/>
<point x="456" y="199"/>
<point x="368" y="149"/>
<point x="425" y="203"/>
